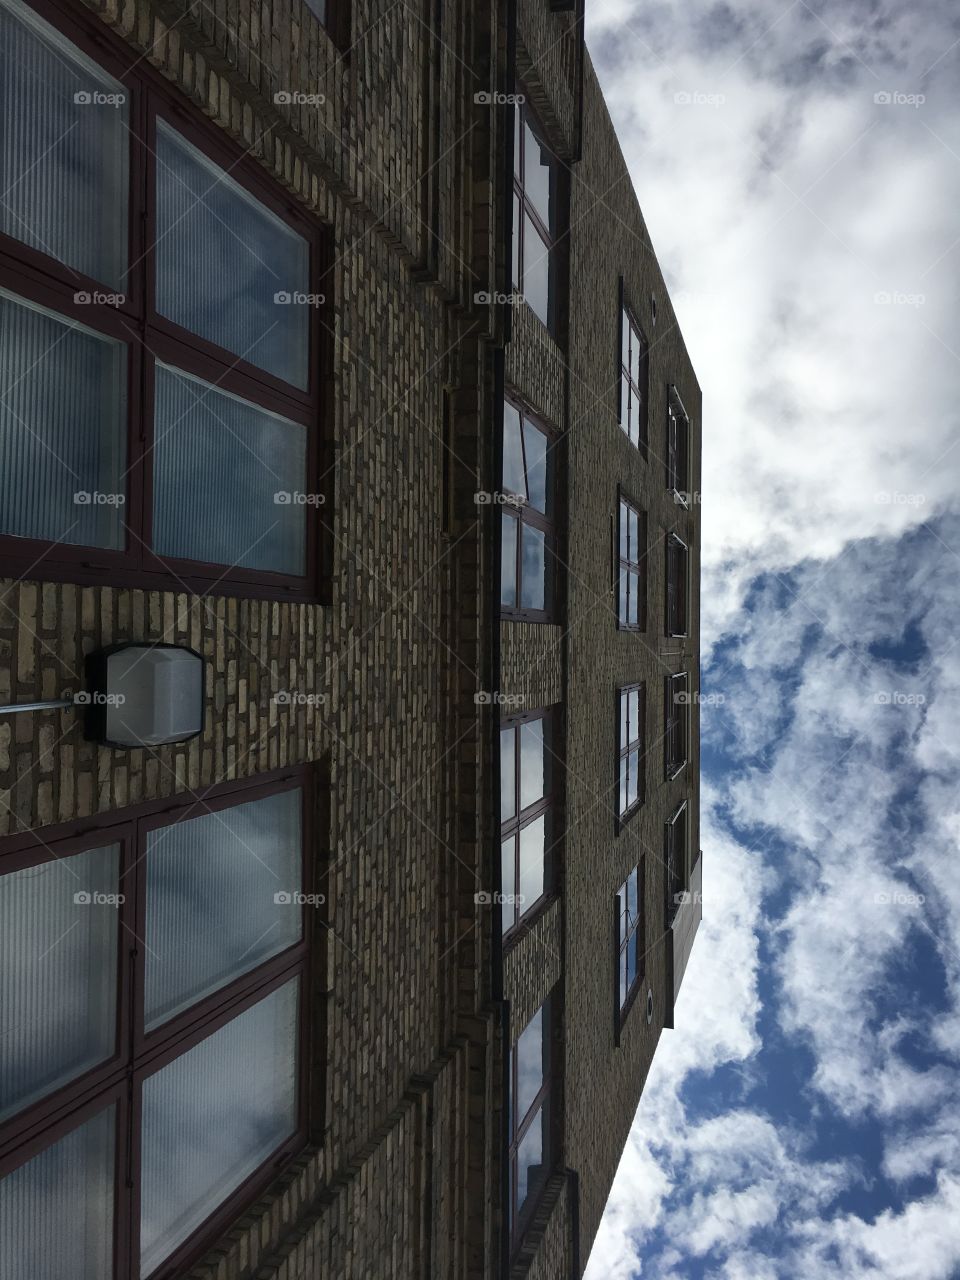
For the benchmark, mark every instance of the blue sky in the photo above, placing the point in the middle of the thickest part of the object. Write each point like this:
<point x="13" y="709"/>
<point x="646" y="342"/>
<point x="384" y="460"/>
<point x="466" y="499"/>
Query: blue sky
<point x="799" y="169"/>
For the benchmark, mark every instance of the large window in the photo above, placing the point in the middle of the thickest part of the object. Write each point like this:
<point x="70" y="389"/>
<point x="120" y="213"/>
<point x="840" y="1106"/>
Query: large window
<point x="152" y="977"/>
<point x="631" y="703"/>
<point x="159" y="388"/>
<point x="526" y="804"/>
<point x="675" y="857"/>
<point x="530" y="1116"/>
<point x="678" y="448"/>
<point x="535" y="218"/>
<point x="676" y="704"/>
<point x="527" y="560"/>
<point x="677" y="586"/>
<point x="630" y="952"/>
<point x="632" y="571"/>
<point x="633" y="380"/>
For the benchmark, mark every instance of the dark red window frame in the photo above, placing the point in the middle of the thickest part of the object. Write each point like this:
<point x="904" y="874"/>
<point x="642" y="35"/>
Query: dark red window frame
<point x="675" y="860"/>
<point x="634" y="744"/>
<point x="634" y="569"/>
<point x="631" y="337"/>
<point x="520" y="1125"/>
<point x="678" y="448"/>
<point x="44" y="280"/>
<point x="677" y="580"/>
<point x="514" y="917"/>
<point x="138" y="1055"/>
<point x="525" y="514"/>
<point x="676" y="703"/>
<point x="628" y="934"/>
<point x="548" y="238"/>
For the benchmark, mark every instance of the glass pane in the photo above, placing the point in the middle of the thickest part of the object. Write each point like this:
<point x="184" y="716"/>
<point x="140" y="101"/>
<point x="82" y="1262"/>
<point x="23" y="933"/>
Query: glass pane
<point x="631" y="954"/>
<point x="64" y="149"/>
<point x="623" y="976"/>
<point x="624" y="532"/>
<point x="508" y="879"/>
<point x="212" y="1117"/>
<point x="623" y="785"/>
<point x="515" y="237"/>
<point x="228" y="478"/>
<point x="625" y="340"/>
<point x="227" y="268"/>
<point x="529" y="1053"/>
<point x="624" y="719"/>
<point x="533" y="593"/>
<point x="631" y="894"/>
<point x="536" y="176"/>
<point x="633" y="610"/>
<point x="535" y="443"/>
<point x="508" y="561"/>
<point x="56" y="1211"/>
<point x="636" y="418"/>
<point x="513" y="481"/>
<point x="517" y="160"/>
<point x="536" y="271"/>
<point x="319" y="7"/>
<point x="532" y="845"/>
<point x="634" y="535"/>
<point x="532" y="763"/>
<point x="622" y="604"/>
<point x="530" y="1161"/>
<point x="625" y="393"/>
<point x="508" y="777"/>
<point x="634" y="715"/>
<point x="633" y="775"/>
<point x="63" y="445"/>
<point x="635" y="353"/>
<point x="223" y="895"/>
<point x="58" y="973"/>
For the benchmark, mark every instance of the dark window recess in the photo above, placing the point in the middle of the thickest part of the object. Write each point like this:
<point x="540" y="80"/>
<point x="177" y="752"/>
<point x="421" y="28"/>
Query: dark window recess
<point x="633" y="380"/>
<point x="528" y="531"/>
<point x="675" y="857"/>
<point x="629" y="907"/>
<point x="677" y="558"/>
<point x="526" y="811"/>
<point x="677" y="702"/>
<point x="536" y="173"/>
<point x="530" y="1118"/>
<point x="678" y="449"/>
<point x="630" y="750"/>
<point x="632" y="568"/>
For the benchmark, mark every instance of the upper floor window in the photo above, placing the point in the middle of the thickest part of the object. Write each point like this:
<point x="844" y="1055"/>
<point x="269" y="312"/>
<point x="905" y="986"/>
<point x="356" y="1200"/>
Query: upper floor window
<point x="632" y="574"/>
<point x="152" y="977"/>
<point x="527" y="562"/>
<point x="677" y="557"/>
<point x="530" y="1116"/>
<point x="535" y="218"/>
<point x="677" y="700"/>
<point x="630" y="749"/>
<point x="633" y="380"/>
<point x="675" y="857"/>
<point x="678" y="448"/>
<point x="159" y="391"/>
<point x="630" y="952"/>
<point x="526" y="802"/>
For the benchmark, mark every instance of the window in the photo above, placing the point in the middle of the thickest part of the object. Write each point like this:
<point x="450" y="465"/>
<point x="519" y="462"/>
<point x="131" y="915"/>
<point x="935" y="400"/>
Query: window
<point x="678" y="448"/>
<point x="632" y="574"/>
<point x="630" y="951"/>
<point x="676" y="604"/>
<point x="525" y="814"/>
<point x="527" y="564"/>
<point x="676" y="701"/>
<point x="675" y="857"/>
<point x="530" y="1118"/>
<point x="630" y="751"/>
<point x="152" y="1084"/>
<point x="158" y="333"/>
<point x="633" y="381"/>
<point x="535" y="218"/>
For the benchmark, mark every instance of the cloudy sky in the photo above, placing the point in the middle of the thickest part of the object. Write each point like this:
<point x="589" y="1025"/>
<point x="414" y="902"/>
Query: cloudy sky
<point x="799" y="169"/>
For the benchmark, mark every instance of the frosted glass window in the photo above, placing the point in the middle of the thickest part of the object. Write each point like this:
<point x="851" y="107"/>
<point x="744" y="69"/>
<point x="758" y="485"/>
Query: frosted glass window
<point x="536" y="270"/>
<point x="508" y="777"/>
<point x="532" y="848"/>
<point x="212" y="1117"/>
<point x="508" y="560"/>
<point x="64" y="149"/>
<point x="229" y="478"/>
<point x="532" y="763"/>
<point x="62" y="428"/>
<point x="536" y="451"/>
<point x="222" y="893"/>
<point x="533" y="570"/>
<point x="58" y="974"/>
<point x="227" y="268"/>
<point x="56" y="1211"/>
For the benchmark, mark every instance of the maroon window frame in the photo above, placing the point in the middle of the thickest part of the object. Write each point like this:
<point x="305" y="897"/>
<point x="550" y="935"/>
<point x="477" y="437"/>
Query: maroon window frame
<point x="678" y="448"/>
<point x="516" y="915"/>
<point x="675" y="860"/>
<point x="517" y="507"/>
<point x="676" y="702"/>
<point x="633" y="380"/>
<point x="675" y="611"/>
<point x="117" y="1081"/>
<point x="547" y="238"/>
<point x="519" y="1126"/>
<point x="148" y="337"/>
<point x="629" y="743"/>
<point x="631" y="566"/>
<point x="630" y="933"/>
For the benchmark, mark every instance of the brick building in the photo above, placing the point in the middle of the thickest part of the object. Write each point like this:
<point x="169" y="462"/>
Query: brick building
<point x="333" y="349"/>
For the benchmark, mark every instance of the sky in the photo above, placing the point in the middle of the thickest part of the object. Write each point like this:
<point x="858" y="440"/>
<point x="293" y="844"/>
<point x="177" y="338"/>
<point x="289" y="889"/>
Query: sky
<point x="799" y="170"/>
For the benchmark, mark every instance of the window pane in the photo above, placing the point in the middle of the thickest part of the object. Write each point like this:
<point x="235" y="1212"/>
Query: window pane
<point x="212" y="1117"/>
<point x="508" y="880"/>
<point x="227" y="268"/>
<point x="535" y="443"/>
<point x="624" y="719"/>
<point x="533" y="594"/>
<point x="517" y="215"/>
<point x="622" y="965"/>
<point x="532" y="877"/>
<point x="58" y="973"/>
<point x="631" y="890"/>
<point x="623" y="786"/>
<point x="64" y="149"/>
<point x="631" y="955"/>
<point x="62" y="428"/>
<point x="56" y="1211"/>
<point x="319" y="7"/>
<point x="529" y="1053"/>
<point x="634" y="535"/>
<point x="633" y="774"/>
<point x="513" y="481"/>
<point x="221" y="898"/>
<point x="625" y="394"/>
<point x="625" y="334"/>
<point x="633" y="611"/>
<point x="508" y="561"/>
<point x="636" y="418"/>
<point x="517" y="161"/>
<point x="536" y="271"/>
<point x="228" y="478"/>
<point x="635" y="353"/>
<point x="634" y="714"/>
<point x="622" y="603"/>
<point x="532" y="763"/>
<point x="624" y="524"/>
<point x="536" y="176"/>
<point x="530" y="1161"/>
<point x="508" y="777"/>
